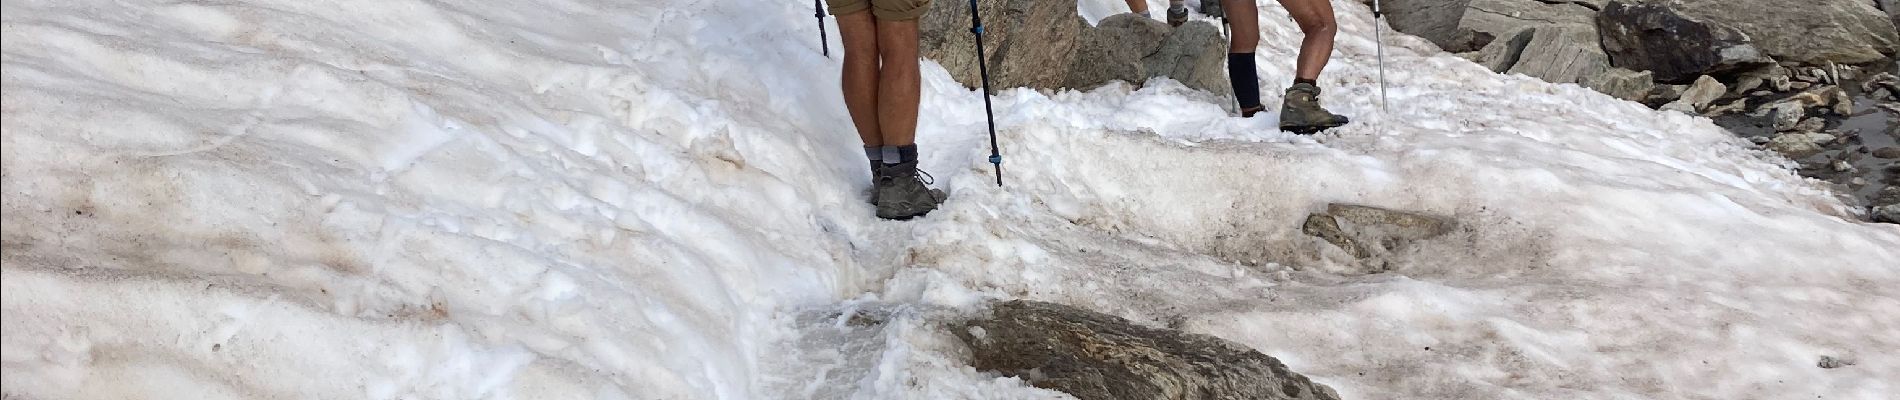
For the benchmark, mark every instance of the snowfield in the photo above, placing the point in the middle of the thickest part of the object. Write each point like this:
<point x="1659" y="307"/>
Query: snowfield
<point x="606" y="199"/>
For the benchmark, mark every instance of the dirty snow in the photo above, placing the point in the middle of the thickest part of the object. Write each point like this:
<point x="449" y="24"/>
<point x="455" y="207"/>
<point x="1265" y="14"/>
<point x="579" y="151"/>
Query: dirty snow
<point x="660" y="200"/>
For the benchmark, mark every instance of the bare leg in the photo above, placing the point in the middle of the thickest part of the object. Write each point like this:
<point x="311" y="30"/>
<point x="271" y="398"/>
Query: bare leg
<point x="1245" y="19"/>
<point x="859" y="31"/>
<point x="1316" y="21"/>
<point x="899" y="82"/>
<point x="1138" y="6"/>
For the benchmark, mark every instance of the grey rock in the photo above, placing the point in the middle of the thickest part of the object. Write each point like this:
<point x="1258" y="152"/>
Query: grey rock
<point x="1890" y="153"/>
<point x="1367" y="232"/>
<point x="1504" y="52"/>
<point x="1664" y="94"/>
<point x="1194" y="54"/>
<point x="1677" y="46"/>
<point x="1113" y="50"/>
<point x="1799" y="145"/>
<point x="1045" y="44"/>
<point x="1622" y="83"/>
<point x="1023" y="39"/>
<point x="1704" y="92"/>
<point x="1095" y="356"/>
<point x="1829" y="362"/>
<point x="1799" y="85"/>
<point x="1886" y="205"/>
<point x="1459" y="26"/>
<point x="1813" y="32"/>
<point x="1811" y="125"/>
<point x="1562" y="53"/>
<point x="1786" y="115"/>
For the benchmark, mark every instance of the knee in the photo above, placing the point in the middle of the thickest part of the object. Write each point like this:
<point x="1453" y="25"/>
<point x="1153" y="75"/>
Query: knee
<point x="1326" y="28"/>
<point x="898" y="59"/>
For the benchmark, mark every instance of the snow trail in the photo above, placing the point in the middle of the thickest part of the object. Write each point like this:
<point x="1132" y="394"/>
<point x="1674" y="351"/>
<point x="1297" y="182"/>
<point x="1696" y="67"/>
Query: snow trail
<point x="660" y="199"/>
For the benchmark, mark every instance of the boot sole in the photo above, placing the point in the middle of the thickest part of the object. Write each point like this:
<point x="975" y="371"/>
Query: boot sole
<point x="1307" y="130"/>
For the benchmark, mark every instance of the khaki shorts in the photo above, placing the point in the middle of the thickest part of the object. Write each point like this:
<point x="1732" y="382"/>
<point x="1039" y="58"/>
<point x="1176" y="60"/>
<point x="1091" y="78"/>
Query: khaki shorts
<point x="888" y="10"/>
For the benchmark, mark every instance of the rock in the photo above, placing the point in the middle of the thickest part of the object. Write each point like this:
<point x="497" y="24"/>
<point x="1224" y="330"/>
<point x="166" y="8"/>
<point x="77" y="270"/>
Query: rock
<point x="1888" y="213"/>
<point x="1886" y="205"/>
<point x="1841" y="166"/>
<point x="1799" y="145"/>
<point x="1664" y="94"/>
<point x="1562" y="53"/>
<point x="1094" y="356"/>
<point x="1890" y="153"/>
<point x="1829" y="362"/>
<point x="1799" y="85"/>
<point x="1842" y="103"/>
<point x="1622" y="83"/>
<point x="1732" y="107"/>
<point x="1368" y="232"/>
<point x="1504" y="52"/>
<point x="1459" y="26"/>
<point x="1028" y="43"/>
<point x="1786" y="114"/>
<point x="1811" y="125"/>
<point x="1113" y="50"/>
<point x="1704" y="92"/>
<point x="1755" y="79"/>
<point x="1814" y="33"/>
<point x="1046" y="45"/>
<point x="1194" y="54"/>
<point x="1557" y="53"/>
<point x="1676" y="46"/>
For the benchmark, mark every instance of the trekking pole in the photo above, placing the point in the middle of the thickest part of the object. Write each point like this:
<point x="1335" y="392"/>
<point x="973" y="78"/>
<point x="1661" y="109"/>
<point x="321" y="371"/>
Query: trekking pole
<point x="983" y="69"/>
<point x="819" y="12"/>
<point x="1378" y="36"/>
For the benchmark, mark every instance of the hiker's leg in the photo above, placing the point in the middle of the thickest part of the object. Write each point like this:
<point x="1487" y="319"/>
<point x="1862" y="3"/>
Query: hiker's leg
<point x="1138" y="6"/>
<point x="1245" y="19"/>
<point x="899" y="82"/>
<point x="1316" y="21"/>
<point x="859" y="31"/>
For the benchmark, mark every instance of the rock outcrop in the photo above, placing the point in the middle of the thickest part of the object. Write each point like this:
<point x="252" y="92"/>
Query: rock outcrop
<point x="1813" y="32"/>
<point x="1371" y="232"/>
<point x="1044" y="44"/>
<point x="1460" y="26"/>
<point x="1095" y="356"/>
<point x="1676" y="46"/>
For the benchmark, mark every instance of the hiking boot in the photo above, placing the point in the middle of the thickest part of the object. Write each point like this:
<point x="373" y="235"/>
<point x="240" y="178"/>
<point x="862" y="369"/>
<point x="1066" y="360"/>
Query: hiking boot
<point x="902" y="192"/>
<point x="1300" y="111"/>
<point x="877" y="171"/>
<point x="1177" y="14"/>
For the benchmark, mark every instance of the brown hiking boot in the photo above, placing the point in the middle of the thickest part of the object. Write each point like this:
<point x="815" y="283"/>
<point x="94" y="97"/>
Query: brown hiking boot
<point x="903" y="193"/>
<point x="1301" y="113"/>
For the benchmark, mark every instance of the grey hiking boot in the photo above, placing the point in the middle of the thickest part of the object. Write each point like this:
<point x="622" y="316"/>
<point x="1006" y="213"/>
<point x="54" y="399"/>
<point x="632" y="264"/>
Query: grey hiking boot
<point x="1300" y="111"/>
<point x="902" y="192"/>
<point x="1211" y="8"/>
<point x="877" y="171"/>
<point x="1177" y="14"/>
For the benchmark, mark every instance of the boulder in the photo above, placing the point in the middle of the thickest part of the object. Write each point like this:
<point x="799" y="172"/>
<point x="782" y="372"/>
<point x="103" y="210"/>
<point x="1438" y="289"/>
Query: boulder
<point x="1369" y="232"/>
<point x="1622" y="83"/>
<point x="1886" y="205"/>
<point x="1095" y="356"/>
<point x="1045" y="44"/>
<point x="1812" y="32"/>
<point x="1562" y="53"/>
<point x="1676" y="46"/>
<point x="1022" y="39"/>
<point x="1699" y="96"/>
<point x="1113" y="50"/>
<point x="1460" y="26"/>
<point x="1194" y="54"/>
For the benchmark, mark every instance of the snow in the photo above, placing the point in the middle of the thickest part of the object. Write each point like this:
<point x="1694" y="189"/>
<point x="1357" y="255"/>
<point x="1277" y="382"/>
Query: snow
<point x="658" y="200"/>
